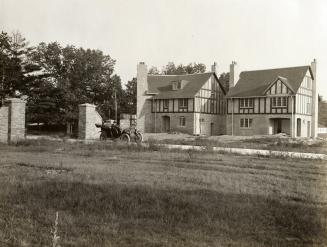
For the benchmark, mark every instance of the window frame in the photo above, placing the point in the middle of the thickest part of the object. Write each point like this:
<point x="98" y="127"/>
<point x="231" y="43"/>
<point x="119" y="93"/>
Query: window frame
<point x="279" y="102"/>
<point x="246" y="103"/>
<point x="166" y="104"/>
<point x="246" y="123"/>
<point x="183" y="103"/>
<point x="182" y="121"/>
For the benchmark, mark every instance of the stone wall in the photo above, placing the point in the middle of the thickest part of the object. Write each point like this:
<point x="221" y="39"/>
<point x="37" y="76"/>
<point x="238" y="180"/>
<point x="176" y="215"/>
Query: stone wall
<point x="12" y="120"/>
<point x="88" y="117"/>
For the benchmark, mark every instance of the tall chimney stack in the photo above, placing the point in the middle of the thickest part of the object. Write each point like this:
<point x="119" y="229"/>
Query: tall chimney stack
<point x="142" y="88"/>
<point x="233" y="74"/>
<point x="314" y="118"/>
<point x="214" y="67"/>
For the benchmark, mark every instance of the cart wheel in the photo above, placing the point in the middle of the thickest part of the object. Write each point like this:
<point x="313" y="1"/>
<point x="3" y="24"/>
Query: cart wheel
<point x="125" y="138"/>
<point x="103" y="136"/>
<point x="138" y="137"/>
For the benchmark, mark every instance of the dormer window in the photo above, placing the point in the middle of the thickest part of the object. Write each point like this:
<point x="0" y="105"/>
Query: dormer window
<point x="177" y="85"/>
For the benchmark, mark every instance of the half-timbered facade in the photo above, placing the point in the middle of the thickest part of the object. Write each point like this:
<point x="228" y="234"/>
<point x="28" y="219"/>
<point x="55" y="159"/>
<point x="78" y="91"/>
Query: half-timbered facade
<point x="274" y="101"/>
<point x="193" y="104"/>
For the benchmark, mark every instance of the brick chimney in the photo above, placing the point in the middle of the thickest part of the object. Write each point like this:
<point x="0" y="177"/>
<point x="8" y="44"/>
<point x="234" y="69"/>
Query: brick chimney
<point x="142" y="88"/>
<point x="214" y="67"/>
<point x="314" y="118"/>
<point x="233" y="74"/>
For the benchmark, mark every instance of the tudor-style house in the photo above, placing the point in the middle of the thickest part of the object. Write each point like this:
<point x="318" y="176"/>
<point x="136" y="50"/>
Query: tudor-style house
<point x="272" y="101"/>
<point x="193" y="104"/>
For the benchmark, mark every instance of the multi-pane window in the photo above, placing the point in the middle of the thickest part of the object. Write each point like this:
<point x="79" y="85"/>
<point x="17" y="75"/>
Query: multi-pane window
<point x="182" y="121"/>
<point x="246" y="122"/>
<point x="308" y="82"/>
<point x="308" y="108"/>
<point x="279" y="102"/>
<point x="182" y="103"/>
<point x="165" y="104"/>
<point x="246" y="103"/>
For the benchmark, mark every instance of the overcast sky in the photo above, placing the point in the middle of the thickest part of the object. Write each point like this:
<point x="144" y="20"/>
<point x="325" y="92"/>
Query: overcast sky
<point x="258" y="34"/>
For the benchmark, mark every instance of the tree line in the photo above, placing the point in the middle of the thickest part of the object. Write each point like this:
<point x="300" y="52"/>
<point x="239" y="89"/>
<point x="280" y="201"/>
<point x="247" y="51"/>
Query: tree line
<point x="54" y="79"/>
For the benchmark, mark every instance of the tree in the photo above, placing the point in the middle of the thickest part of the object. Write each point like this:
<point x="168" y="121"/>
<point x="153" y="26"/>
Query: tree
<point x="224" y="80"/>
<point x="16" y="69"/>
<point x="172" y="69"/>
<point x="77" y="76"/>
<point x="129" y="105"/>
<point x="154" y="71"/>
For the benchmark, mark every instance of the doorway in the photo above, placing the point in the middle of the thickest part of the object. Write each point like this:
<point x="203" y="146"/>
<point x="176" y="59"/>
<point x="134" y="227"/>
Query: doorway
<point x="278" y="126"/>
<point x="298" y="127"/>
<point x="308" y="129"/>
<point x="165" y="124"/>
<point x="211" y="129"/>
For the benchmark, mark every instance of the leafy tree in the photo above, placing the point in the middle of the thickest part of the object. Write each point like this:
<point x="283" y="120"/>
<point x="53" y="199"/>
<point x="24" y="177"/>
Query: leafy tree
<point x="129" y="104"/>
<point x="74" y="76"/>
<point x="224" y="80"/>
<point x="154" y="71"/>
<point x="172" y="69"/>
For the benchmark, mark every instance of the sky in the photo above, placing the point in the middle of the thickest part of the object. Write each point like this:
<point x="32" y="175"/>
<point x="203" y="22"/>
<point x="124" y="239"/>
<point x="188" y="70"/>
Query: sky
<point x="258" y="34"/>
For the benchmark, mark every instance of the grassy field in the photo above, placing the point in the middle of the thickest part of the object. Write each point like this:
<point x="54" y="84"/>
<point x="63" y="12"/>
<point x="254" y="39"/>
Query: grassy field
<point x="111" y="195"/>
<point x="267" y="142"/>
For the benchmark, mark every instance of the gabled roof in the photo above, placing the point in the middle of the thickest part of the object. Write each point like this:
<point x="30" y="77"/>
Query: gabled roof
<point x="283" y="80"/>
<point x="161" y="85"/>
<point x="255" y="83"/>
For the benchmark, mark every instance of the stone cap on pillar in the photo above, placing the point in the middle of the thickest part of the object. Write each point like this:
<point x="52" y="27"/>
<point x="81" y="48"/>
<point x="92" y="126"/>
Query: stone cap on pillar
<point x="15" y="100"/>
<point x="87" y="105"/>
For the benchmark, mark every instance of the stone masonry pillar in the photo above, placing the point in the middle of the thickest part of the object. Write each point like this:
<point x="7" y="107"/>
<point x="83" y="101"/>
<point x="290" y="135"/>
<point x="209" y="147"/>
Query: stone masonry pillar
<point x="4" y="111"/>
<point x="16" y="119"/>
<point x="87" y="118"/>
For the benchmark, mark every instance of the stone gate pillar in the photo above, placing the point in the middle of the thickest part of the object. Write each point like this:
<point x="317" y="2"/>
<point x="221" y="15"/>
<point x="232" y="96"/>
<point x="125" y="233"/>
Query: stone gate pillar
<point x="16" y="119"/>
<point x="87" y="118"/>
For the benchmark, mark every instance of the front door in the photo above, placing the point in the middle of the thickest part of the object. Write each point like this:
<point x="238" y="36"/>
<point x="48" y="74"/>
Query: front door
<point x="278" y="126"/>
<point x="298" y="127"/>
<point x="211" y="129"/>
<point x="309" y="128"/>
<point x="165" y="124"/>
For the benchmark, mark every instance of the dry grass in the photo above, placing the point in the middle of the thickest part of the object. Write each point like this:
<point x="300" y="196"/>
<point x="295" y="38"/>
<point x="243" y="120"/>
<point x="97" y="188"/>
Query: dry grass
<point x="110" y="195"/>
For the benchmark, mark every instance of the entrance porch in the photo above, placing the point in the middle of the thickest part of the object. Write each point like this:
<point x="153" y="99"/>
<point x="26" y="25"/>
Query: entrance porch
<point x="280" y="125"/>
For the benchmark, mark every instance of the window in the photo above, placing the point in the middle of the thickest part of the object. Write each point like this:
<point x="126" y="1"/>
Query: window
<point x="308" y="108"/>
<point x="212" y="106"/>
<point x="279" y="102"/>
<point x="177" y="85"/>
<point x="182" y="103"/>
<point x="246" y="123"/>
<point x="165" y="104"/>
<point x="182" y="121"/>
<point x="246" y="103"/>
<point x="308" y="82"/>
